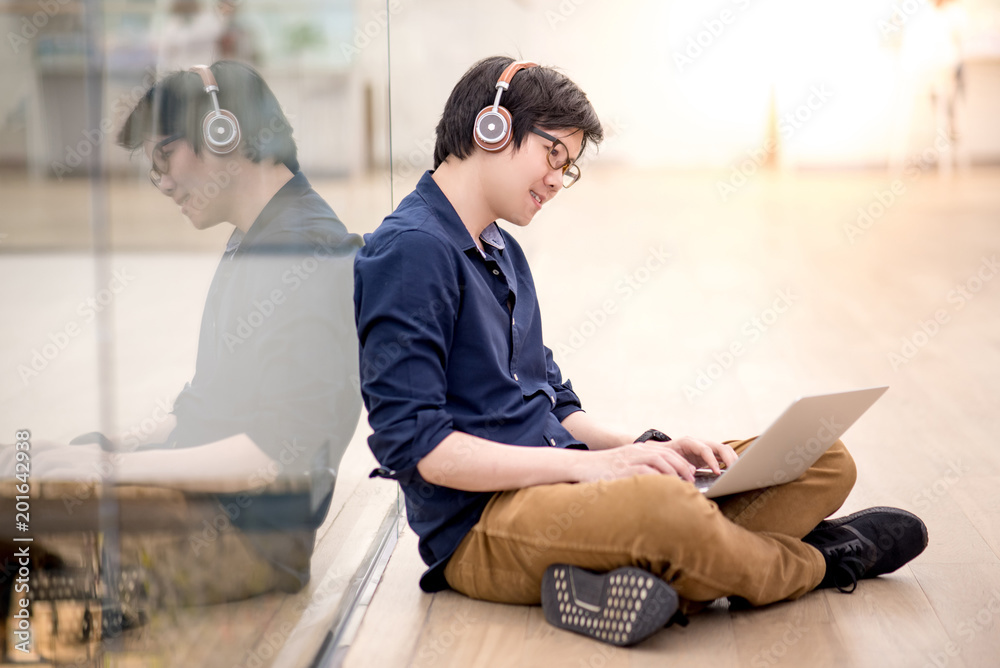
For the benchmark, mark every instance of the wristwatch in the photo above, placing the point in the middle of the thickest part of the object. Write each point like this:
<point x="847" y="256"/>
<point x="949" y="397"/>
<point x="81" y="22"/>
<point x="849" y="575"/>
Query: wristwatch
<point x="652" y="435"/>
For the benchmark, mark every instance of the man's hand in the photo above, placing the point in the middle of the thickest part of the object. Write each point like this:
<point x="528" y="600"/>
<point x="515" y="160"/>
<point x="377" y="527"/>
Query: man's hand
<point x="648" y="458"/>
<point x="703" y="452"/>
<point x="678" y="457"/>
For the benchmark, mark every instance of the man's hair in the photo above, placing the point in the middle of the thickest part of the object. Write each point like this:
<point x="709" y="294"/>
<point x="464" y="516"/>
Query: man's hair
<point x="177" y="104"/>
<point x="537" y="97"/>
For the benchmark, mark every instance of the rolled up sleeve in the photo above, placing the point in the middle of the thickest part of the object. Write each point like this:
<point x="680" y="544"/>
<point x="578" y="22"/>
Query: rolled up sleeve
<point x="406" y="299"/>
<point x="566" y="400"/>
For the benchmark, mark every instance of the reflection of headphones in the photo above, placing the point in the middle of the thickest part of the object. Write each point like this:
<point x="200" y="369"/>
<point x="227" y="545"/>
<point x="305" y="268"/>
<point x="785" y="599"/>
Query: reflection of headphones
<point x="220" y="128"/>
<point x="493" y="130"/>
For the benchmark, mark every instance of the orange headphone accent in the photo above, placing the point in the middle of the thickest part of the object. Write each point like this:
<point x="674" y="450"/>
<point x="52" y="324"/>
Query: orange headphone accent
<point x="220" y="128"/>
<point x="494" y="125"/>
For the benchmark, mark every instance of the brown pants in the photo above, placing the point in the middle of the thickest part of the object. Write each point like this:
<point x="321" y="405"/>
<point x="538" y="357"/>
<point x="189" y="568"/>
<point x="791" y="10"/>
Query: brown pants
<point x="745" y="544"/>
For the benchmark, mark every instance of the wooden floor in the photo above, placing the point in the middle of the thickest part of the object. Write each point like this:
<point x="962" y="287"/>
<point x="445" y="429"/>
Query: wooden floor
<point x="879" y="302"/>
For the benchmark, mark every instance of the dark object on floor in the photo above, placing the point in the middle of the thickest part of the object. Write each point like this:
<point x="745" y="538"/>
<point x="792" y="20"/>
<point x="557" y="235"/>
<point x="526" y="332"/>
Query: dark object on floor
<point x="622" y="607"/>
<point x="867" y="544"/>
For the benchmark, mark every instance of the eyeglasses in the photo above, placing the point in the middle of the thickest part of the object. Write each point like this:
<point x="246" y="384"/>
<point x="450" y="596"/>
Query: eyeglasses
<point x="558" y="157"/>
<point x="160" y="159"/>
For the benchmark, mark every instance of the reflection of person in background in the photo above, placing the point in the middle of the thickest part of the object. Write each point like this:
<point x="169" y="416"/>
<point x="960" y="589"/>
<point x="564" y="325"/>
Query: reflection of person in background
<point x="196" y="34"/>
<point x="190" y="35"/>
<point x="509" y="484"/>
<point x="274" y="391"/>
<point x="238" y="40"/>
<point x="931" y="66"/>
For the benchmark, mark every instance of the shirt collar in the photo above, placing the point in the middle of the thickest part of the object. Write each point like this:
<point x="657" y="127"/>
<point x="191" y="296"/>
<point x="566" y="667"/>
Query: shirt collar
<point x="294" y="188"/>
<point x="451" y="223"/>
<point x="491" y="235"/>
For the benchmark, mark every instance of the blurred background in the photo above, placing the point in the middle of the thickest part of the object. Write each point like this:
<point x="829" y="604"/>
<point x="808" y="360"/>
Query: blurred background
<point x="786" y="195"/>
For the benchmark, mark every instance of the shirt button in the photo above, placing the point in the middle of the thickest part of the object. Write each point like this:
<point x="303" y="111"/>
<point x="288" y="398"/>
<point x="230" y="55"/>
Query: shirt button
<point x="496" y="272"/>
<point x="552" y="441"/>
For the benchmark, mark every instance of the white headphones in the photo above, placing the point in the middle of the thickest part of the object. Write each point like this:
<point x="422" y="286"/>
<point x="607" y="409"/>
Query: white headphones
<point x="220" y="128"/>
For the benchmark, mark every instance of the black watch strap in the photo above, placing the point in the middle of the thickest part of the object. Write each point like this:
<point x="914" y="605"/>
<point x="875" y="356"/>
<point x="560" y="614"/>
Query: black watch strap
<point x="652" y="435"/>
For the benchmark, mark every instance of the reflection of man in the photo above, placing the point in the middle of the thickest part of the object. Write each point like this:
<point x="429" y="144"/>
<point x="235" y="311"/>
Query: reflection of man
<point x="274" y="392"/>
<point x="517" y="494"/>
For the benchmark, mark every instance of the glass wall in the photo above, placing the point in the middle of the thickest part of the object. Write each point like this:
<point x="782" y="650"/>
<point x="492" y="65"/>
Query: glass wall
<point x="181" y="423"/>
<point x="182" y="442"/>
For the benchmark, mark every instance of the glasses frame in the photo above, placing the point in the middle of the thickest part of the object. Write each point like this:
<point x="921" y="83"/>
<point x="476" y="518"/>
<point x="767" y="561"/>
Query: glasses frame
<point x="155" y="173"/>
<point x="570" y="170"/>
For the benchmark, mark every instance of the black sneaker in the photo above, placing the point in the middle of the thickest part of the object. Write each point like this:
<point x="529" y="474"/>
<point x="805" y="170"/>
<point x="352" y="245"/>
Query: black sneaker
<point x="867" y="544"/>
<point x="622" y="607"/>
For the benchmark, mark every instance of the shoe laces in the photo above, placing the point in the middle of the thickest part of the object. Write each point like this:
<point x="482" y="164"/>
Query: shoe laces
<point x="852" y="559"/>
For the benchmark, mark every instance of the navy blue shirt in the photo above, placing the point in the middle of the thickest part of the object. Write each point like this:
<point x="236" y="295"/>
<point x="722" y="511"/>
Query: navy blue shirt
<point x="277" y="351"/>
<point x="451" y="340"/>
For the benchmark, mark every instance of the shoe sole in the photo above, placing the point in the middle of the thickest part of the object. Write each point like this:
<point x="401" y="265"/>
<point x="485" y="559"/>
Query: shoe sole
<point x="622" y="607"/>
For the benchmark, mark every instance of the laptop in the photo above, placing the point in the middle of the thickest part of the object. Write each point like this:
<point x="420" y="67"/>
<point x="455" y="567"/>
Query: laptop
<point x="792" y="443"/>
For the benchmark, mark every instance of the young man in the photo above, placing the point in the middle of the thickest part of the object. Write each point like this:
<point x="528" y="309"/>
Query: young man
<point x="518" y="495"/>
<point x="273" y="402"/>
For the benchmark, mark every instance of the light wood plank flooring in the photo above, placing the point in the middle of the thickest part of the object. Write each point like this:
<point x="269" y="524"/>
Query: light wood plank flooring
<point x="859" y="296"/>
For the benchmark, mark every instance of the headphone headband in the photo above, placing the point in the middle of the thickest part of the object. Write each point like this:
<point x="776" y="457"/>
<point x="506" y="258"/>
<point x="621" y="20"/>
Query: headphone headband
<point x="207" y="78"/>
<point x="513" y="69"/>
<point x="493" y="124"/>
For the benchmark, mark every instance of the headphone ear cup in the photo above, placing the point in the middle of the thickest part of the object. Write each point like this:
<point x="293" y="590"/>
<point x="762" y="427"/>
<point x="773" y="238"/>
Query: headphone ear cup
<point x="221" y="131"/>
<point x="493" y="130"/>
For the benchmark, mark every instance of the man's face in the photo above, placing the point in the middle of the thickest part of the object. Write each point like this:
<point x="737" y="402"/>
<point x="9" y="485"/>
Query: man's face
<point x="518" y="183"/>
<point x="199" y="185"/>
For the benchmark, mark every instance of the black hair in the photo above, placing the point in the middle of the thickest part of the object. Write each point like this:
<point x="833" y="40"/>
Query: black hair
<point x="177" y="104"/>
<point x="537" y="97"/>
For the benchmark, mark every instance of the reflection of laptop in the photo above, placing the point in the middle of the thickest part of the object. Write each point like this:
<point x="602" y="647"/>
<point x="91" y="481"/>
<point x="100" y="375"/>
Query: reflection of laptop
<point x="792" y="443"/>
